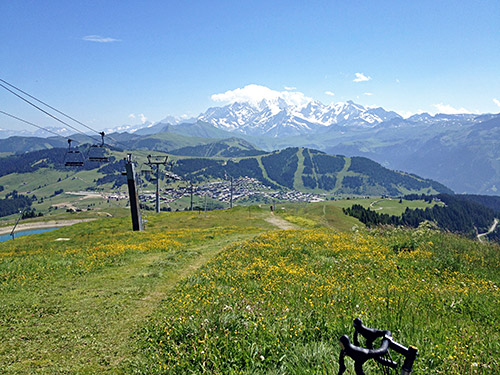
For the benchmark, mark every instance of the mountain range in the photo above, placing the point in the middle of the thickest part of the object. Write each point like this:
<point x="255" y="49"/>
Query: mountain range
<point x="462" y="151"/>
<point x="279" y="118"/>
<point x="459" y="150"/>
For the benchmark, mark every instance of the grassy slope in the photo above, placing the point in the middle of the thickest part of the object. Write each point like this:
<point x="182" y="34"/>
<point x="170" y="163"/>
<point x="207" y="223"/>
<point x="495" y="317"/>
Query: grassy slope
<point x="82" y="306"/>
<point x="316" y="215"/>
<point x="385" y="206"/>
<point x="278" y="304"/>
<point x="72" y="306"/>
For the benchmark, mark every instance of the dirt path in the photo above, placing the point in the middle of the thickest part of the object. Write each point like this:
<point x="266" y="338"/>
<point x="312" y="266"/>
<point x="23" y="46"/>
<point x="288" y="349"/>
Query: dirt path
<point x="86" y="324"/>
<point x="42" y="224"/>
<point x="280" y="222"/>
<point x="493" y="227"/>
<point x="372" y="205"/>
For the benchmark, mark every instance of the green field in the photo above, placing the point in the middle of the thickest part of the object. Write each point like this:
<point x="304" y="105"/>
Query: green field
<point x="232" y="293"/>
<point x="387" y="206"/>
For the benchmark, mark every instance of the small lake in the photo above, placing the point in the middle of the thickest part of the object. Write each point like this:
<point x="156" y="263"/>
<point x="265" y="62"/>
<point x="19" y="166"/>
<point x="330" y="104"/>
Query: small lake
<point x="6" y="237"/>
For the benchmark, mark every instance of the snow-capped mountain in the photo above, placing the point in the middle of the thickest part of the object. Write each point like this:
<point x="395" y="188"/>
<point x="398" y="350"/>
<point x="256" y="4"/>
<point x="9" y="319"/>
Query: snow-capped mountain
<point x="52" y="132"/>
<point x="129" y="128"/>
<point x="279" y="117"/>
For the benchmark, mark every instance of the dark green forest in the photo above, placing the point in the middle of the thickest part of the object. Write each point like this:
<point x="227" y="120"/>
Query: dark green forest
<point x="458" y="214"/>
<point x="291" y="168"/>
<point x="14" y="203"/>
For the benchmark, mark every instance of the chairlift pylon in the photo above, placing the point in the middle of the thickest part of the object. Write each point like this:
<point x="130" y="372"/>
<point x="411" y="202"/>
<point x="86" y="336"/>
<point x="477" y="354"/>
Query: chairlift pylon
<point x="73" y="157"/>
<point x="149" y="175"/>
<point x="97" y="152"/>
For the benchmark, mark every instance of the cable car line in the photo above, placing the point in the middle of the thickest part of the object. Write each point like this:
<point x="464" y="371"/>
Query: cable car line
<point x="98" y="146"/>
<point x="47" y="105"/>
<point x="29" y="123"/>
<point x="47" y="113"/>
<point x="125" y="147"/>
<point x="56" y="110"/>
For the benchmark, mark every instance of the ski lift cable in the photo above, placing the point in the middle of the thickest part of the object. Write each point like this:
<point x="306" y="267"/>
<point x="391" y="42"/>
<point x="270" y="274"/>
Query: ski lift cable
<point x="73" y="158"/>
<point x="56" y="110"/>
<point x="29" y="123"/>
<point x="144" y="153"/>
<point x="47" y="113"/>
<point x="140" y="152"/>
<point x="47" y="105"/>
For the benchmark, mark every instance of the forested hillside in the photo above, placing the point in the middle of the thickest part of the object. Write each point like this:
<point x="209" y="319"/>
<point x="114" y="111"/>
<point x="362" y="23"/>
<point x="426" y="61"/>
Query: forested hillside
<point x="293" y="168"/>
<point x="231" y="147"/>
<point x="458" y="214"/>
<point x="13" y="203"/>
<point x="310" y="170"/>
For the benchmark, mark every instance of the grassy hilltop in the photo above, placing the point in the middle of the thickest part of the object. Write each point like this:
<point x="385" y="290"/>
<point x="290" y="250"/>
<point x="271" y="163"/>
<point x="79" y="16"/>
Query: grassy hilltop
<point x="232" y="292"/>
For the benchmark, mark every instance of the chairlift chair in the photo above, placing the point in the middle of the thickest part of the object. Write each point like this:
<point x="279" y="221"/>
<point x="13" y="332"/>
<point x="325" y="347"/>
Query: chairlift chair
<point x="97" y="152"/>
<point x="73" y="157"/>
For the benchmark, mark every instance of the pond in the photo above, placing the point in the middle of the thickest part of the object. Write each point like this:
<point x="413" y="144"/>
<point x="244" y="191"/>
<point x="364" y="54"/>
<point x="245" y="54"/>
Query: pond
<point x="6" y="237"/>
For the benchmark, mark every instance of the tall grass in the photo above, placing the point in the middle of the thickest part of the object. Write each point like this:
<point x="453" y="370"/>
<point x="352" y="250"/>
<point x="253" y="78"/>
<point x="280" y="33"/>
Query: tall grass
<point x="278" y="304"/>
<point x="70" y="306"/>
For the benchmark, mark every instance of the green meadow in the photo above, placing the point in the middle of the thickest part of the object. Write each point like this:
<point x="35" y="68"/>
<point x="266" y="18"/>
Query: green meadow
<point x="233" y="293"/>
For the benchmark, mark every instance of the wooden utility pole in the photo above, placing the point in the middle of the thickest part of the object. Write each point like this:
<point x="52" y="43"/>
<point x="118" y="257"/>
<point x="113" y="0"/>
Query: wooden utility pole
<point x="132" y="193"/>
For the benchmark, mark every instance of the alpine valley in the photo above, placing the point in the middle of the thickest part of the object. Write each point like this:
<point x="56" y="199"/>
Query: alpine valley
<point x="460" y="151"/>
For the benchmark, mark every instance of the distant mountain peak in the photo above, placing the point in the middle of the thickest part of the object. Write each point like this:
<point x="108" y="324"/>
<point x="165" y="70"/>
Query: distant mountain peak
<point x="281" y="117"/>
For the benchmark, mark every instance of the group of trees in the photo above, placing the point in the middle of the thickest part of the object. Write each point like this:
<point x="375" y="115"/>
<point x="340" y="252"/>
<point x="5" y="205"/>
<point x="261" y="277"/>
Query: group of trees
<point x="281" y="166"/>
<point x="376" y="172"/>
<point x="13" y="203"/>
<point x="320" y="170"/>
<point x="200" y="169"/>
<point x="458" y="214"/>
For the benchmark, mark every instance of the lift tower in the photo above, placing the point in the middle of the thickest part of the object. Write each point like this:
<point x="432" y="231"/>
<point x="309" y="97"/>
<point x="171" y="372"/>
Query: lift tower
<point x="132" y="192"/>
<point x="154" y="163"/>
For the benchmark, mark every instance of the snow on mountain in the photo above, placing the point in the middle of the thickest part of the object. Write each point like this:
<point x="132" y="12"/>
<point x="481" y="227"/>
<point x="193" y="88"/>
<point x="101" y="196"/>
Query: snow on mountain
<point x="176" y="120"/>
<point x="128" y="128"/>
<point x="63" y="132"/>
<point x="148" y="127"/>
<point x="259" y="111"/>
<point x="445" y="119"/>
<point x="281" y="117"/>
<point x="52" y="131"/>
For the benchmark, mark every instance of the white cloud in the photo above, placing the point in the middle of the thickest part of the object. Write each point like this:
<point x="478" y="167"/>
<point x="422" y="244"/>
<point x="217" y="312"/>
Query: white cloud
<point x="290" y="88"/>
<point x="100" y="39"/>
<point x="449" y="110"/>
<point x="330" y="93"/>
<point x="254" y="94"/>
<point x="368" y="93"/>
<point x="141" y="116"/>
<point x="360" y="77"/>
<point x="496" y="101"/>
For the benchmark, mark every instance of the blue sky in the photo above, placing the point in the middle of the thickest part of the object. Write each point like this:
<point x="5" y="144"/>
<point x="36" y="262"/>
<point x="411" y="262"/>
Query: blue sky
<point x="109" y="63"/>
